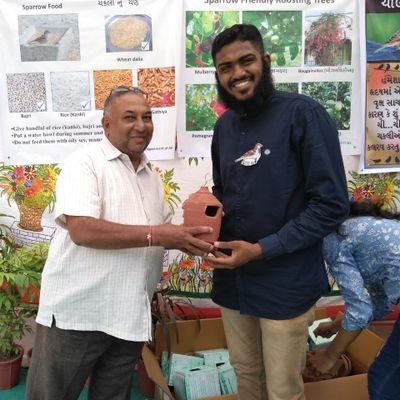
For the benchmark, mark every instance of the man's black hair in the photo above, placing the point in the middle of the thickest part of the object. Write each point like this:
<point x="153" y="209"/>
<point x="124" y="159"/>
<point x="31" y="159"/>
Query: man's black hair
<point x="242" y="32"/>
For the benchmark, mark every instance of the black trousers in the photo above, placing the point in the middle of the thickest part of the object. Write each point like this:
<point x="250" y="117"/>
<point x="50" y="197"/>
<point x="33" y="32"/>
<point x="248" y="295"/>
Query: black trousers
<point x="63" y="359"/>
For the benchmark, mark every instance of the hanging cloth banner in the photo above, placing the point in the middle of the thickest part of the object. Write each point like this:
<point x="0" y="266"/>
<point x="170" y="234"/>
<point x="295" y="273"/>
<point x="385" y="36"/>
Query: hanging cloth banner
<point x="382" y="134"/>
<point x="314" y="49"/>
<point x="62" y="58"/>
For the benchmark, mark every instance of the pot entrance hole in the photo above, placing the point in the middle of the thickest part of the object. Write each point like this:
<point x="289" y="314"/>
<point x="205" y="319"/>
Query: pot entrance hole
<point x="211" y="211"/>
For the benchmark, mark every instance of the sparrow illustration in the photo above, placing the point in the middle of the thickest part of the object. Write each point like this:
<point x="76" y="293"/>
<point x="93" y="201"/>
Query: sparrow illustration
<point x="41" y="39"/>
<point x="393" y="41"/>
<point x="251" y="157"/>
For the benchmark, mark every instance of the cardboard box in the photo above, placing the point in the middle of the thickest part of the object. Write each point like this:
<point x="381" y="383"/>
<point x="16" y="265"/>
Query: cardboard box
<point x="362" y="353"/>
<point x="206" y="334"/>
<point x="193" y="335"/>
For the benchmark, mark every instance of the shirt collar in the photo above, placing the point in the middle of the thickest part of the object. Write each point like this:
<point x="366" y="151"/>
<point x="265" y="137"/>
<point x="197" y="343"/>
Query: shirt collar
<point x="112" y="153"/>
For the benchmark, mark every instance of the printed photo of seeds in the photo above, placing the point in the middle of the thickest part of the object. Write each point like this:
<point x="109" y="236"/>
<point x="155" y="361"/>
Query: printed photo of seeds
<point x="70" y="91"/>
<point x="53" y="37"/>
<point x="105" y="80"/>
<point x="159" y="84"/>
<point x="128" y="33"/>
<point x="26" y="92"/>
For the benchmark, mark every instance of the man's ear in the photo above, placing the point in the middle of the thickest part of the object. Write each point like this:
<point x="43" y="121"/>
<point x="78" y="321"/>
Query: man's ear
<point x="105" y="122"/>
<point x="267" y="59"/>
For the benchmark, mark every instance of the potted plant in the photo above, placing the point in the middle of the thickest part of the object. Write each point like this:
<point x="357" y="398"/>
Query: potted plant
<point x="15" y="278"/>
<point x="32" y="188"/>
<point x="32" y="258"/>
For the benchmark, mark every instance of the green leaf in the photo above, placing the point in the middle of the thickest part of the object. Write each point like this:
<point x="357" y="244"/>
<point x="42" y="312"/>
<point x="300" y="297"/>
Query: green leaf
<point x="293" y="50"/>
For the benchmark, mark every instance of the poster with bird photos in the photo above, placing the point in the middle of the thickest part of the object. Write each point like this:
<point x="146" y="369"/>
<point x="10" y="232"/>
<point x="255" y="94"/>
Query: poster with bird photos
<point x="382" y="133"/>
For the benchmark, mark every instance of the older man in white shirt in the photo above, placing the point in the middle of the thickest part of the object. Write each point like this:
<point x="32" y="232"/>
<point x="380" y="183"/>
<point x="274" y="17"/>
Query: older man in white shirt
<point x="104" y="261"/>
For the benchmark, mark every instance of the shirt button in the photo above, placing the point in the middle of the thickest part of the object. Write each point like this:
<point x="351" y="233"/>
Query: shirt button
<point x="243" y="133"/>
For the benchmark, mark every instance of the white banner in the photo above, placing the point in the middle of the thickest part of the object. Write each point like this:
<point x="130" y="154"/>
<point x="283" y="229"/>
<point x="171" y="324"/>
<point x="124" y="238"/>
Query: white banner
<point x="60" y="60"/>
<point x="314" y="48"/>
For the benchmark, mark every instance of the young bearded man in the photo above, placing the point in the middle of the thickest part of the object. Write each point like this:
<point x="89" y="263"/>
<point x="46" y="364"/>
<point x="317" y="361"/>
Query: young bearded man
<point x="278" y="170"/>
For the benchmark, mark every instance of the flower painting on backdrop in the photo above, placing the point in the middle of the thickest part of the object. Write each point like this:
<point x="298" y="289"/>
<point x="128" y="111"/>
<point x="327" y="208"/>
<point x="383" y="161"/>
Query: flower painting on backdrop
<point x="170" y="188"/>
<point x="190" y="276"/>
<point x="382" y="189"/>
<point x="187" y="275"/>
<point x="32" y="189"/>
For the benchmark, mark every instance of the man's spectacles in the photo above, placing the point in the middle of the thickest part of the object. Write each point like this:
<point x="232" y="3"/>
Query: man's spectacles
<point x="123" y="89"/>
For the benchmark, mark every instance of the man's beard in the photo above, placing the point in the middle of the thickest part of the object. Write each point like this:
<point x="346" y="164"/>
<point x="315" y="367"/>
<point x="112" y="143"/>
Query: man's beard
<point x="252" y="105"/>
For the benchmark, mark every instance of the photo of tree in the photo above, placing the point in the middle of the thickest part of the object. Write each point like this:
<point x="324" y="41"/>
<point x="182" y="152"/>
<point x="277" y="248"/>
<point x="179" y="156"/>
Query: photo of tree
<point x="201" y="29"/>
<point x="202" y="107"/>
<point x="292" y="87"/>
<point x="328" y="39"/>
<point x="335" y="97"/>
<point x="282" y="35"/>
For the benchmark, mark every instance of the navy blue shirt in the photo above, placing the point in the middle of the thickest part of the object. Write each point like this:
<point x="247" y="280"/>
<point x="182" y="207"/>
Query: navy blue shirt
<point x="287" y="202"/>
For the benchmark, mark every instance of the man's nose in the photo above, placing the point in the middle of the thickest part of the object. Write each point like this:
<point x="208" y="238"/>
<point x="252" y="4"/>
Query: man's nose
<point x="238" y="70"/>
<point x="139" y="124"/>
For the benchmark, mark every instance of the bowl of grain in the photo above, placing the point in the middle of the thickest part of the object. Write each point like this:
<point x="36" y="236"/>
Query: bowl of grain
<point x="128" y="33"/>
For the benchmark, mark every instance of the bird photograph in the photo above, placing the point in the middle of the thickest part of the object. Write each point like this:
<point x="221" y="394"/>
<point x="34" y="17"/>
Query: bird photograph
<point x="40" y="38"/>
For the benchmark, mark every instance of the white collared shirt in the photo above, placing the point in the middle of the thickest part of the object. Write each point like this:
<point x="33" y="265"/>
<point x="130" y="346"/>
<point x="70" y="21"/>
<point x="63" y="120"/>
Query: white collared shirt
<point x="103" y="290"/>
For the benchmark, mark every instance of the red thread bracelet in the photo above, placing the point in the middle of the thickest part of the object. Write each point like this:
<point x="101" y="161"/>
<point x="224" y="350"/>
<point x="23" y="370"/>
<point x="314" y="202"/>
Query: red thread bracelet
<point x="150" y="236"/>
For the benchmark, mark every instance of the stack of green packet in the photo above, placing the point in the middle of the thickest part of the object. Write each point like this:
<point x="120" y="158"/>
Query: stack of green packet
<point x="195" y="383"/>
<point x="170" y="365"/>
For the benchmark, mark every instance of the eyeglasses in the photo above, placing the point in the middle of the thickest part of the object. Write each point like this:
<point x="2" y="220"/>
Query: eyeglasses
<point x="123" y="89"/>
<point x="119" y="91"/>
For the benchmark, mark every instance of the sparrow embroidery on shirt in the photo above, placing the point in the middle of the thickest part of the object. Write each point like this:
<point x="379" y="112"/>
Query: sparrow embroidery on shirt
<point x="251" y="157"/>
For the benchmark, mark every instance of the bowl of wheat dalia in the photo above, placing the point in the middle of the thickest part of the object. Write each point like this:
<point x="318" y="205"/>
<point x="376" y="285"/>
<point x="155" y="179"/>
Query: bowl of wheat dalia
<point x="128" y="33"/>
